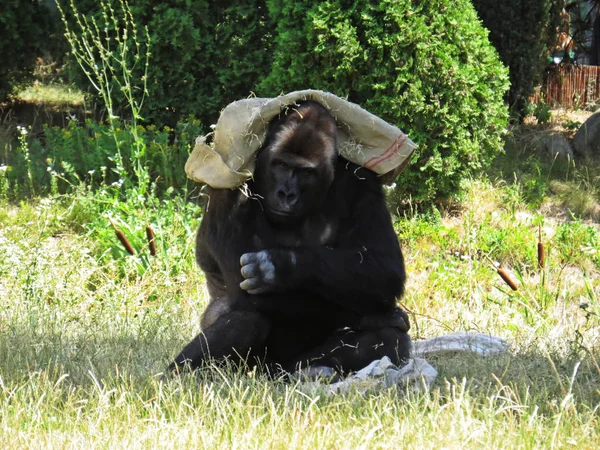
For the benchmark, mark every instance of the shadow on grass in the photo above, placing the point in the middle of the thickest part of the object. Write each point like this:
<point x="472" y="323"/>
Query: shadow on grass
<point x="527" y="377"/>
<point x="531" y="376"/>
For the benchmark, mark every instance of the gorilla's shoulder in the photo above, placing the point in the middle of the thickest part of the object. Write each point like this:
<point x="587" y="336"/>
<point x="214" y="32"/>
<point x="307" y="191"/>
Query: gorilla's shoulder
<point x="355" y="180"/>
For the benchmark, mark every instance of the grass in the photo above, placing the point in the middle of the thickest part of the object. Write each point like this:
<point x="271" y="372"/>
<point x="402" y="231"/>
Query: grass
<point x="573" y="186"/>
<point x="86" y="331"/>
<point x="51" y="95"/>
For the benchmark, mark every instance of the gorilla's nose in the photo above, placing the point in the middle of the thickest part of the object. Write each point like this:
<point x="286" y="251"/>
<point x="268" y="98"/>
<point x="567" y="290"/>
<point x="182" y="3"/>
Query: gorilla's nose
<point x="287" y="199"/>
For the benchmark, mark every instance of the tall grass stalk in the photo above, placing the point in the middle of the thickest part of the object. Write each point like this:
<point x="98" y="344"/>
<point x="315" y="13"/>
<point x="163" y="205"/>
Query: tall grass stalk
<point x="24" y="148"/>
<point x="109" y="51"/>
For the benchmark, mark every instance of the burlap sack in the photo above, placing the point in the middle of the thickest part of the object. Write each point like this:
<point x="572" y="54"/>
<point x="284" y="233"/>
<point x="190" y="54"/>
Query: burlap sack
<point x="229" y="161"/>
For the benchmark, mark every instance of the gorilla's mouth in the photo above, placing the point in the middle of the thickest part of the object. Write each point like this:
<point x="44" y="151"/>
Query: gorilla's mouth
<point x="278" y="212"/>
<point x="279" y="216"/>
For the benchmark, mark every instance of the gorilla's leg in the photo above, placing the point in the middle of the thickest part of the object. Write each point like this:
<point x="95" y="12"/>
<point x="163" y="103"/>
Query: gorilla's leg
<point x="232" y="335"/>
<point x="351" y="350"/>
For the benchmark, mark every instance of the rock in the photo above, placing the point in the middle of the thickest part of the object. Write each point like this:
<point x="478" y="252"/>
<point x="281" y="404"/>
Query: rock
<point x="554" y="144"/>
<point x="587" y="139"/>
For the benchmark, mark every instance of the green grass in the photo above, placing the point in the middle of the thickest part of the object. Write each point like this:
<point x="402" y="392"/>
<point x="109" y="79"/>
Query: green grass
<point x="86" y="331"/>
<point x="51" y="95"/>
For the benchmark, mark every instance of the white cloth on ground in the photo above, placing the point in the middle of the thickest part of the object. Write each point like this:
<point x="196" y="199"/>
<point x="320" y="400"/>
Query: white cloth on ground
<point x="417" y="374"/>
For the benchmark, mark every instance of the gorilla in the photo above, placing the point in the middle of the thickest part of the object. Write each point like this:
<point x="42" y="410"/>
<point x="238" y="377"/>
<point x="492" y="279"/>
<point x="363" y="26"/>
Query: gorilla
<point x="303" y="267"/>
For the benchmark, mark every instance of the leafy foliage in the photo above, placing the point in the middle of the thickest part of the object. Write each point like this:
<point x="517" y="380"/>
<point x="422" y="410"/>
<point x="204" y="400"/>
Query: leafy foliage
<point x="522" y="32"/>
<point x="24" y="27"/>
<point x="425" y="66"/>
<point x="61" y="159"/>
<point x="103" y="51"/>
<point x="204" y="55"/>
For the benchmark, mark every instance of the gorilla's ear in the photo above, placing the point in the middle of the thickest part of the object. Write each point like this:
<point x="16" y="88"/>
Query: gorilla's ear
<point x="329" y="127"/>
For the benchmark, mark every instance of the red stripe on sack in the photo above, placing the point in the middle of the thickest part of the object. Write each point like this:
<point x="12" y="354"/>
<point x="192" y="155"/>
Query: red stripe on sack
<point x="385" y="157"/>
<point x="374" y="158"/>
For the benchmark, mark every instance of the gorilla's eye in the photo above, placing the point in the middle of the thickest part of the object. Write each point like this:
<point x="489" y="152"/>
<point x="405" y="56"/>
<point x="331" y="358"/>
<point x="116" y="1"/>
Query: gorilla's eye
<point x="307" y="171"/>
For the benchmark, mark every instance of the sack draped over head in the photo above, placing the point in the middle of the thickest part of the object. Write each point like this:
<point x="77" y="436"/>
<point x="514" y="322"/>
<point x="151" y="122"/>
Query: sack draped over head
<point x="229" y="161"/>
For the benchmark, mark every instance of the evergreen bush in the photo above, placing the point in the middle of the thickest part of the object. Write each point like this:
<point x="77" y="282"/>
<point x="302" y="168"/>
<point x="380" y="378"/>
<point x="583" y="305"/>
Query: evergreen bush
<point x="427" y="67"/>
<point x="204" y="54"/>
<point x="522" y="31"/>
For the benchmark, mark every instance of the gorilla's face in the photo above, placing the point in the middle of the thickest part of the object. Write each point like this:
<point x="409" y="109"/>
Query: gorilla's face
<point x="296" y="167"/>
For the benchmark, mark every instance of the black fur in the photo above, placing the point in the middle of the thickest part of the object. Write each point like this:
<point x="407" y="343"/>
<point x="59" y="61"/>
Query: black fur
<point x="316" y="285"/>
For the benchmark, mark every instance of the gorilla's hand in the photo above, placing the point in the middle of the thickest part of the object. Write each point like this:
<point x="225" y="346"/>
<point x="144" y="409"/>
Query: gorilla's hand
<point x="266" y="271"/>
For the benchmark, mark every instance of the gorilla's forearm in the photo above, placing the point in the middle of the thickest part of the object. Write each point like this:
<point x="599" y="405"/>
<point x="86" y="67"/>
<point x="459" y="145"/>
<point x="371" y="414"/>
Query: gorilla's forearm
<point x="363" y="280"/>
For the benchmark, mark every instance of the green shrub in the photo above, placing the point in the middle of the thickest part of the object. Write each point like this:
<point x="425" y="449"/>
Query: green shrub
<point x="84" y="154"/>
<point x="24" y="28"/>
<point x="542" y="113"/>
<point x="427" y="67"/>
<point x="522" y="31"/>
<point x="204" y="55"/>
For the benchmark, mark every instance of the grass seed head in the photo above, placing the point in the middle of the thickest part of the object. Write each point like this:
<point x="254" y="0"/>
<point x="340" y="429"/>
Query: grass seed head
<point x="507" y="278"/>
<point x="504" y="275"/>
<point x="123" y="239"/>
<point x="151" y="241"/>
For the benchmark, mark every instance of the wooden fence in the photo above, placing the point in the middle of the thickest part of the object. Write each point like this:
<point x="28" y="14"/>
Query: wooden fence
<point x="570" y="86"/>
